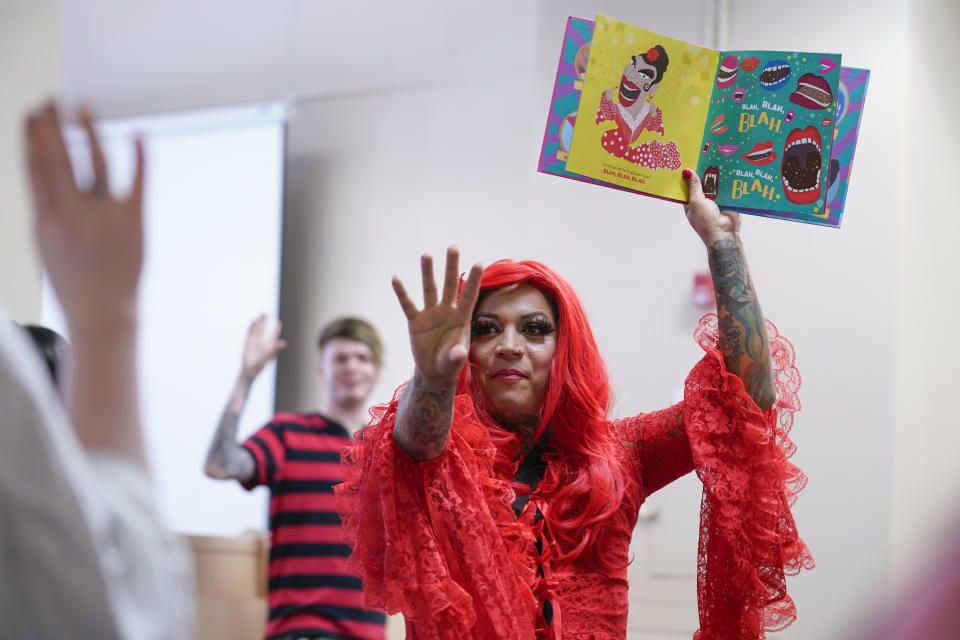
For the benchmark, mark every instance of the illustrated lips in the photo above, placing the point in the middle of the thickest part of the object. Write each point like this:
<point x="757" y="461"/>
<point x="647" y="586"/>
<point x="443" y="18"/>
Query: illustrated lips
<point x="775" y="74"/>
<point x="813" y="92"/>
<point x="727" y="149"/>
<point x="800" y="169"/>
<point x="718" y="126"/>
<point x="727" y="74"/>
<point x="761" y="154"/>
<point x="750" y="64"/>
<point x="711" y="182"/>
<point x="827" y="64"/>
<point x="739" y="94"/>
<point x="629" y="92"/>
<point x="509" y="374"/>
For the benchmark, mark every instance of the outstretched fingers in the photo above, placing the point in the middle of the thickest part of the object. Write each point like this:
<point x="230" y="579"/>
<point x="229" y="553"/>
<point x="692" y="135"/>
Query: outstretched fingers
<point x="409" y="308"/>
<point x="429" y="284"/>
<point x="50" y="169"/>
<point x="136" y="192"/>
<point x="101" y="185"/>
<point x="451" y="279"/>
<point x="471" y="291"/>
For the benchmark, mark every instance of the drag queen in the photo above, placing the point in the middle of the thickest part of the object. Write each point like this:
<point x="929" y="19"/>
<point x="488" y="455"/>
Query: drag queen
<point x="495" y="499"/>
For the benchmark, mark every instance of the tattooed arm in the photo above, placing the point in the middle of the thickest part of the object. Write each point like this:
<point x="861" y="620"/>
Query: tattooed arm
<point x="440" y="340"/>
<point x="424" y="418"/>
<point x="226" y="459"/>
<point x="743" y="334"/>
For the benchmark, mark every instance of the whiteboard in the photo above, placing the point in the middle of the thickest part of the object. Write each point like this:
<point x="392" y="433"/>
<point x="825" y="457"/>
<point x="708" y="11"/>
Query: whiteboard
<point x="213" y="209"/>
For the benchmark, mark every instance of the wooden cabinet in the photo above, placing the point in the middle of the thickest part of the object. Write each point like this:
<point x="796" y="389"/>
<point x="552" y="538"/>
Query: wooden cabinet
<point x="231" y="583"/>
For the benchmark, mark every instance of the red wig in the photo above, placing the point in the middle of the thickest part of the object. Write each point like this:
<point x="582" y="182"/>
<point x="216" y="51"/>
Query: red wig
<point x="575" y="408"/>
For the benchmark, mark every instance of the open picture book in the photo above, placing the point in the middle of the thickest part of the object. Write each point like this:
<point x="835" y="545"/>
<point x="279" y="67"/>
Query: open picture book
<point x="770" y="133"/>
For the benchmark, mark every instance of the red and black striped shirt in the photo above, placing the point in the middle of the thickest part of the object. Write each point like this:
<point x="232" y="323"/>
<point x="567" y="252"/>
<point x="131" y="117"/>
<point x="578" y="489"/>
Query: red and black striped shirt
<point x="310" y="590"/>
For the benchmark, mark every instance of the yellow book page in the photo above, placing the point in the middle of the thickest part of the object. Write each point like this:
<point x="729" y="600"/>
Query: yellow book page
<point x="642" y="110"/>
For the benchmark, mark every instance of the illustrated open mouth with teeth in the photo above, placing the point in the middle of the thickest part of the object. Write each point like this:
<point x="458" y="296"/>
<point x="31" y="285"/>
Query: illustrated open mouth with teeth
<point x="813" y="92"/>
<point x="711" y="182"/>
<point x="727" y="74"/>
<point x="775" y="74"/>
<point x="629" y="92"/>
<point x="761" y="154"/>
<point x="800" y="169"/>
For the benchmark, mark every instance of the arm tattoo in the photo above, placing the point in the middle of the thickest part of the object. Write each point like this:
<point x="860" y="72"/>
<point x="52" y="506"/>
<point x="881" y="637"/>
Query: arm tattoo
<point x="424" y="418"/>
<point x="226" y="458"/>
<point x="743" y="333"/>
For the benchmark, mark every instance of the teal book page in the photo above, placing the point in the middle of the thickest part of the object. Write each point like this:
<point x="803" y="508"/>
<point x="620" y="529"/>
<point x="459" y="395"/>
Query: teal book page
<point x="768" y="130"/>
<point x="850" y="101"/>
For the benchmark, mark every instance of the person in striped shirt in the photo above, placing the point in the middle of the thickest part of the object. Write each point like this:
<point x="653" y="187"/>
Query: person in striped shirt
<point x="311" y="595"/>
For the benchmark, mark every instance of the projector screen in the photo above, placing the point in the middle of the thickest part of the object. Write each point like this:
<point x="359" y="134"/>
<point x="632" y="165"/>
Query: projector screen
<point x="213" y="207"/>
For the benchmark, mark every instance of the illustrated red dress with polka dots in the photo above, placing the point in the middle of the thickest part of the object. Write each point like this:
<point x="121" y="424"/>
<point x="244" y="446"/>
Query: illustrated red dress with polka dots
<point x="440" y="541"/>
<point x="619" y="142"/>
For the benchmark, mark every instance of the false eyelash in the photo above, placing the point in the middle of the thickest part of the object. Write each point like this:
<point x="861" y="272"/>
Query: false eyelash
<point x="482" y="327"/>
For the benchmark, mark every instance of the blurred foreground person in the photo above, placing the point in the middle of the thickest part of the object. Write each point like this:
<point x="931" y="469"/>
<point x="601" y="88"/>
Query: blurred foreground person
<point x="311" y="594"/>
<point x="84" y="554"/>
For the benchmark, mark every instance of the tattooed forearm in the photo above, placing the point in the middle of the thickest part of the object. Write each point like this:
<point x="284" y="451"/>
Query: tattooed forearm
<point x="743" y="333"/>
<point x="226" y="458"/>
<point x="424" y="418"/>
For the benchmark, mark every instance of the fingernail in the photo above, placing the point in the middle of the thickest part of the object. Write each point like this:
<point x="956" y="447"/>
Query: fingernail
<point x="687" y="174"/>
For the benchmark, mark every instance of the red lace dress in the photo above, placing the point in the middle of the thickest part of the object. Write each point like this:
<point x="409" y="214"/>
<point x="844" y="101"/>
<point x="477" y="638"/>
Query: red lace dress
<point x="439" y="540"/>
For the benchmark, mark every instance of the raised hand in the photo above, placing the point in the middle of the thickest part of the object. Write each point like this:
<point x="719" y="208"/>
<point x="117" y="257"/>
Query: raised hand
<point x="705" y="216"/>
<point x="440" y="332"/>
<point x="440" y="339"/>
<point x="90" y="242"/>
<point x="260" y="347"/>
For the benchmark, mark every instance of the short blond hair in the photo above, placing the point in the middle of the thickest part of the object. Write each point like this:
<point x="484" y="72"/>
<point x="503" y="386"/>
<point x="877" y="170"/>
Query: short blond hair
<point x="353" y="329"/>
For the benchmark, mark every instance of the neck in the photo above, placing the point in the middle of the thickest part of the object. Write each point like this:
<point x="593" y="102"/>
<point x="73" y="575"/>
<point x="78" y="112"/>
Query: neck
<point x="352" y="417"/>
<point x="524" y="427"/>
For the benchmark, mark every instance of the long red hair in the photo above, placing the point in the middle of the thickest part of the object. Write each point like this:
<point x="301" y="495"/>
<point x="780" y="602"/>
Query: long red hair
<point x="575" y="408"/>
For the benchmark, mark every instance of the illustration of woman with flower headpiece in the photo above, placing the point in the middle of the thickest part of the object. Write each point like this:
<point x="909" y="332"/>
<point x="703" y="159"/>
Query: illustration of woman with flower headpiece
<point x="633" y="111"/>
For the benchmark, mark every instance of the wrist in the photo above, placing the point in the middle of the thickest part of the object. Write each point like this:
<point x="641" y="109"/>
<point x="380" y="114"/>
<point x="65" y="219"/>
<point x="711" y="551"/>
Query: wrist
<point x="102" y="327"/>
<point x="714" y="236"/>
<point x="433" y="385"/>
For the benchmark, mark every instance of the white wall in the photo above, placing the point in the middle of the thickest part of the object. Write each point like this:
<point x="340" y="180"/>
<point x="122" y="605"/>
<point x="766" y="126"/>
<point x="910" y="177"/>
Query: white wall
<point x="927" y="436"/>
<point x="29" y="65"/>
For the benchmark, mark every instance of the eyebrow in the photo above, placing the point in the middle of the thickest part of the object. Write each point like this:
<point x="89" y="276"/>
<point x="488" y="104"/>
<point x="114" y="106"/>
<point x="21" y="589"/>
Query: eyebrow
<point x="633" y="60"/>
<point x="532" y="314"/>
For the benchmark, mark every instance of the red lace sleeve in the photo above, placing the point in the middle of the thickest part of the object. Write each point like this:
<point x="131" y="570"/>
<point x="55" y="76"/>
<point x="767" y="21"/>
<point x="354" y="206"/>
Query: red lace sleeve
<point x="656" y="447"/>
<point x="748" y="539"/>
<point x="436" y="540"/>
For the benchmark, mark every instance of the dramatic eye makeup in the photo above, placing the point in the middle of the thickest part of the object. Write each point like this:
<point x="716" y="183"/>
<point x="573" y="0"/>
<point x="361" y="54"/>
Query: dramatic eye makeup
<point x="484" y="325"/>
<point x="537" y="324"/>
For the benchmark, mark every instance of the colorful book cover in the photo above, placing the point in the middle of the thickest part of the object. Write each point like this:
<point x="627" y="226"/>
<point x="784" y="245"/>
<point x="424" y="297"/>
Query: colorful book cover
<point x="743" y="86"/>
<point x="644" y="101"/>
